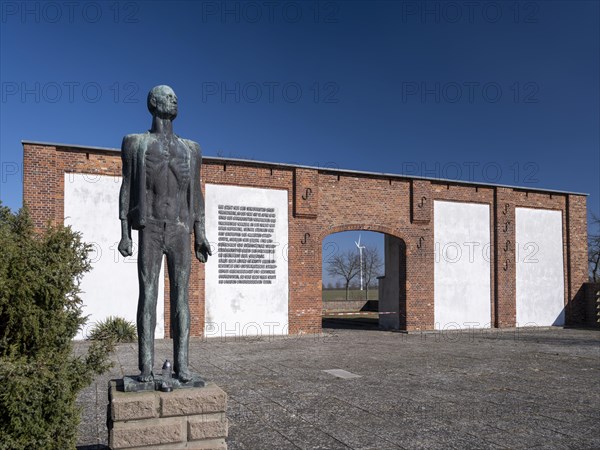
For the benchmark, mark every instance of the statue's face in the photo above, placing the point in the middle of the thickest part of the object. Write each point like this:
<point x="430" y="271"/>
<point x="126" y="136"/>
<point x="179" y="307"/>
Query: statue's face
<point x="164" y="102"/>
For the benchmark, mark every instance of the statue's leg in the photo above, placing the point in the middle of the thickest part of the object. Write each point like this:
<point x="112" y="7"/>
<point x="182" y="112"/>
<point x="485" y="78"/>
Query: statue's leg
<point x="179" y="263"/>
<point x="149" y="262"/>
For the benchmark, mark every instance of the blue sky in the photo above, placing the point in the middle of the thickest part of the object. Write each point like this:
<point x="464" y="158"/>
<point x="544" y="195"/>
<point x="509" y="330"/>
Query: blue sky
<point x="504" y="92"/>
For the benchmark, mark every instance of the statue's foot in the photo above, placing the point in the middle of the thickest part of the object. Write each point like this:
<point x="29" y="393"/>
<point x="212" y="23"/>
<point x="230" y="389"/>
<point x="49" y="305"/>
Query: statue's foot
<point x="184" y="375"/>
<point x="146" y="376"/>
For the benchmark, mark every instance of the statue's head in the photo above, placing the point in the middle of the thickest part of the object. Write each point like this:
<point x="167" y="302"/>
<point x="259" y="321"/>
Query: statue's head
<point x="162" y="102"/>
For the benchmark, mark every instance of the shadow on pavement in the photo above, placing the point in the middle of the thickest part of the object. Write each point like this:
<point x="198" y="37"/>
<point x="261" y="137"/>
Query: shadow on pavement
<point x="359" y="323"/>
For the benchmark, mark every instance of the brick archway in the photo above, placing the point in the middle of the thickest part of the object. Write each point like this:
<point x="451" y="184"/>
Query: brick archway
<point x="392" y="308"/>
<point x="361" y="227"/>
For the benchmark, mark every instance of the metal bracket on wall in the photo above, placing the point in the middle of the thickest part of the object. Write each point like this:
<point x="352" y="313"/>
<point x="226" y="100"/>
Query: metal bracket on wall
<point x="506" y="262"/>
<point x="506" y="224"/>
<point x="307" y="194"/>
<point x="305" y="240"/>
<point x="505" y="210"/>
<point x="422" y="202"/>
<point x="507" y="246"/>
<point x="421" y="240"/>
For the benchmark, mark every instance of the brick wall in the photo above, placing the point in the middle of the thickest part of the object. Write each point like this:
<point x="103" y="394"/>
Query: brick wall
<point x="321" y="202"/>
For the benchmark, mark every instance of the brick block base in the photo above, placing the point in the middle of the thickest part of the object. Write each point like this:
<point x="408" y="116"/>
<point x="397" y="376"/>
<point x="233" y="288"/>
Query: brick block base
<point x="182" y="419"/>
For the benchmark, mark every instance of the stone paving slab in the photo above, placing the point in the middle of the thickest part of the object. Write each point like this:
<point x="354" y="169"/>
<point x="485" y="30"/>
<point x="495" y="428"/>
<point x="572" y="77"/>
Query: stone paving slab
<point x="485" y="389"/>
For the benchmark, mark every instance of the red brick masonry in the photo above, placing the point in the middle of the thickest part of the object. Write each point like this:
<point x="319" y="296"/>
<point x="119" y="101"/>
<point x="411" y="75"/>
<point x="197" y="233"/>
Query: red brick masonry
<point x="322" y="201"/>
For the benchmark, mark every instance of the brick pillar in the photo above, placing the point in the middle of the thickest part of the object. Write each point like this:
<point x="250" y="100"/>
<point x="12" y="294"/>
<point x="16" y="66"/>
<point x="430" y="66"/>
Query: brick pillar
<point x="419" y="296"/>
<point x="503" y="254"/>
<point x="305" y="305"/>
<point x="577" y="265"/>
<point x="43" y="187"/>
<point x="420" y="281"/>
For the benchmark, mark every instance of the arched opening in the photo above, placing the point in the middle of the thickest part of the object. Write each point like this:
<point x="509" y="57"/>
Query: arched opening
<point x="363" y="280"/>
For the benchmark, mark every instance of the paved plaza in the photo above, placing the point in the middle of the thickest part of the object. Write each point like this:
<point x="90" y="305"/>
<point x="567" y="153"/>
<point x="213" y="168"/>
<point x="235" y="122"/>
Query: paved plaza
<point x="357" y="387"/>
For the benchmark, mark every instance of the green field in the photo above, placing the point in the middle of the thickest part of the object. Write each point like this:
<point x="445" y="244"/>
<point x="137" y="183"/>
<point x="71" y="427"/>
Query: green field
<point x="353" y="294"/>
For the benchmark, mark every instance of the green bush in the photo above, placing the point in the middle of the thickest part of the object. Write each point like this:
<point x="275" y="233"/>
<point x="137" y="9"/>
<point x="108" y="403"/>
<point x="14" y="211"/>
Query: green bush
<point x="116" y="329"/>
<point x="40" y="313"/>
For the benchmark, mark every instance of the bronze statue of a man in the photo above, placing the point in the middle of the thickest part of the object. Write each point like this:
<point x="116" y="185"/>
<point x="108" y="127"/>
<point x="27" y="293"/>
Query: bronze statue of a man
<point x="161" y="197"/>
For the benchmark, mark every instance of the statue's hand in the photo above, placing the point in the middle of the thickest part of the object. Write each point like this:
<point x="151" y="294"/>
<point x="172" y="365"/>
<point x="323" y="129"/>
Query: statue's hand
<point x="125" y="247"/>
<point x="202" y="248"/>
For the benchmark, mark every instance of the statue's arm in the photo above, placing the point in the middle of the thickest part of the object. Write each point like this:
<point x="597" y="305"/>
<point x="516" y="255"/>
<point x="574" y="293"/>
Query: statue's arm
<point x="199" y="220"/>
<point x="202" y="246"/>
<point x="127" y="149"/>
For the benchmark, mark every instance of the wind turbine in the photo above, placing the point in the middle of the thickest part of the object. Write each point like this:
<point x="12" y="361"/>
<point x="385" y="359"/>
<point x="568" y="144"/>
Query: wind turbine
<point x="360" y="249"/>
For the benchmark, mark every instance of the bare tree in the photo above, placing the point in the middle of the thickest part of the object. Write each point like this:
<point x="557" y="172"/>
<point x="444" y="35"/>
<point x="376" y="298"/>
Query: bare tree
<point x="594" y="250"/>
<point x="372" y="263"/>
<point x="345" y="265"/>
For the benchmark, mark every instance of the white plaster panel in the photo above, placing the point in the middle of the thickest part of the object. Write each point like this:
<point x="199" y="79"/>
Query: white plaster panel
<point x="462" y="294"/>
<point x="246" y="309"/>
<point x="111" y="287"/>
<point x="539" y="265"/>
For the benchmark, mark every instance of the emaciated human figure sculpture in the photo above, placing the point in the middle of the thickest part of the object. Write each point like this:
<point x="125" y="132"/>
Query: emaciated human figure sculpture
<point x="161" y="197"/>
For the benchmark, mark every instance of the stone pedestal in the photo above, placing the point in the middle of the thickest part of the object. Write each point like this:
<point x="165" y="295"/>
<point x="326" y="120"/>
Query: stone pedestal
<point x="192" y="418"/>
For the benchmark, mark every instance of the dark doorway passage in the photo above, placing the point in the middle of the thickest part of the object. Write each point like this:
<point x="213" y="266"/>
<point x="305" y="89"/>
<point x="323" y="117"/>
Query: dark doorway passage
<point x="364" y="281"/>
